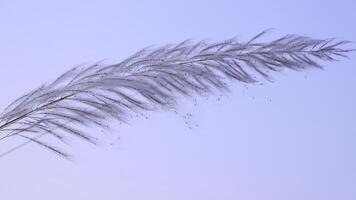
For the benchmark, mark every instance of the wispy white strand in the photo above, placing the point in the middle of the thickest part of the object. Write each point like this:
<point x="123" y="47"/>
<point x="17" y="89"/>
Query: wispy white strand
<point x="152" y="79"/>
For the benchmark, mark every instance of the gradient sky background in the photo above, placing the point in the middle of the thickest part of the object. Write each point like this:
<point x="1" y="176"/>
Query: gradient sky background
<point x="299" y="145"/>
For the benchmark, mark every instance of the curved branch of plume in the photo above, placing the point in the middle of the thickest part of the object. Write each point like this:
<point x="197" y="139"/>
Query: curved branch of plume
<point x="152" y="79"/>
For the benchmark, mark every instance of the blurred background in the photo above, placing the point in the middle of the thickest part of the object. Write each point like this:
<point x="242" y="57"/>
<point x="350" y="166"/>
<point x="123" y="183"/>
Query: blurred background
<point x="291" y="139"/>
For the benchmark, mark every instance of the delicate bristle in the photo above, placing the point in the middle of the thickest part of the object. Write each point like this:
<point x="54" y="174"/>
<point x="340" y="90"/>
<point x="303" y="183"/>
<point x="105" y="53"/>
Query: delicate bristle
<point x="153" y="78"/>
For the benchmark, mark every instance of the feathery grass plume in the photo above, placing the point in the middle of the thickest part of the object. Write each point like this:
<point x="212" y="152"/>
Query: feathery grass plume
<point x="152" y="79"/>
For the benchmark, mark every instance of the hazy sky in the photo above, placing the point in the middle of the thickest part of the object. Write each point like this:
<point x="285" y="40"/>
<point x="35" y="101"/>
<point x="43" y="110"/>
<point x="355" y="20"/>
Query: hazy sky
<point x="292" y="139"/>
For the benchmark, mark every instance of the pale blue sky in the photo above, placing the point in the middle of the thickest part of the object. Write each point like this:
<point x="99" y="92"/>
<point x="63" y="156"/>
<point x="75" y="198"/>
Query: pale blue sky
<point x="301" y="145"/>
